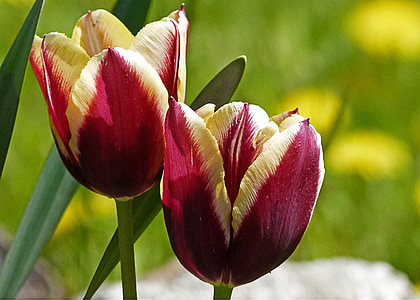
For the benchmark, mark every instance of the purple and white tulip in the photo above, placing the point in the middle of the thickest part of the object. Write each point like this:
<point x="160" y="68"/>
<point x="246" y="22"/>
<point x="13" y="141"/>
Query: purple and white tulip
<point x="107" y="94"/>
<point x="238" y="188"/>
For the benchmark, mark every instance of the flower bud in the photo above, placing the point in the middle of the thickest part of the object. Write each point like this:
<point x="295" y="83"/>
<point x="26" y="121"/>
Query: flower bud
<point x="238" y="189"/>
<point x="107" y="94"/>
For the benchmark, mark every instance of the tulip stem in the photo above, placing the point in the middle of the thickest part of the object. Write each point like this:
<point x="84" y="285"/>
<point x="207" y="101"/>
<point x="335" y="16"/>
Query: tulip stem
<point x="126" y="242"/>
<point x="222" y="292"/>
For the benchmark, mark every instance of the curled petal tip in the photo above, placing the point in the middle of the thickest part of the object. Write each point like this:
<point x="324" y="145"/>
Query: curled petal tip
<point x="283" y="116"/>
<point x="172" y="100"/>
<point x="180" y="11"/>
<point x="112" y="51"/>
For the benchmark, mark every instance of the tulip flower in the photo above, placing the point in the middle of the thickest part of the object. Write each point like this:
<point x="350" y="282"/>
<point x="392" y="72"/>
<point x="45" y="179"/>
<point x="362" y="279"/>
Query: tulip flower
<point x="238" y="188"/>
<point x="107" y="95"/>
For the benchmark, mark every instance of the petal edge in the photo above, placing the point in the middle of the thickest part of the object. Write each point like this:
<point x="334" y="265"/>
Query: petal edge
<point x="276" y="201"/>
<point x="193" y="194"/>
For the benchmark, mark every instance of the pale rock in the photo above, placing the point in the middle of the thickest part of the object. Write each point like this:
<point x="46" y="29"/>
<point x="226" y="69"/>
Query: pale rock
<point x="338" y="278"/>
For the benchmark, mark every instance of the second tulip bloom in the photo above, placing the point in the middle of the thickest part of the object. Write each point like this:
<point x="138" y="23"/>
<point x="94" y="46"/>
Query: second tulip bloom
<point x="238" y="188"/>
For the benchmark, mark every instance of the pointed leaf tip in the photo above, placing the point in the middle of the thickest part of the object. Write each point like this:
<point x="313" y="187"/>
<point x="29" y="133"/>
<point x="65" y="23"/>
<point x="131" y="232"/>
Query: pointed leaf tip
<point x="12" y="72"/>
<point x="222" y="87"/>
<point x="243" y="58"/>
<point x="132" y="13"/>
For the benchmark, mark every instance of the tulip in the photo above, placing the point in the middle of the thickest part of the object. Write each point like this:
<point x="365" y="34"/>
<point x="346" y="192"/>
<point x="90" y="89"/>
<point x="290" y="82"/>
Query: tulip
<point x="238" y="188"/>
<point x="107" y="95"/>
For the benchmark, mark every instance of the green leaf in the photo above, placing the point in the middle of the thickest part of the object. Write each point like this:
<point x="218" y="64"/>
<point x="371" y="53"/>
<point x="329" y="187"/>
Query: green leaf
<point x="132" y="13"/>
<point x="145" y="209"/>
<point x="12" y="72"/>
<point x="52" y="193"/>
<point x="148" y="205"/>
<point x="222" y="87"/>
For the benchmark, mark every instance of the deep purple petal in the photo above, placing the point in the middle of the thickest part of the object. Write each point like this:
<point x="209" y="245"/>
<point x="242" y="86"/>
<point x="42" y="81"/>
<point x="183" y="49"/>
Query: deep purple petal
<point x="116" y="118"/>
<point x="279" y="205"/>
<point x="235" y="127"/>
<point x="195" y="204"/>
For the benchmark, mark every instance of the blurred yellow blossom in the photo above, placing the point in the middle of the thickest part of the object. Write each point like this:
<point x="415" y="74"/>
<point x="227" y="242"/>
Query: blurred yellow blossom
<point x="322" y="105"/>
<point x="82" y="209"/>
<point x="371" y="154"/>
<point x="17" y="2"/>
<point x="417" y="195"/>
<point x="386" y="27"/>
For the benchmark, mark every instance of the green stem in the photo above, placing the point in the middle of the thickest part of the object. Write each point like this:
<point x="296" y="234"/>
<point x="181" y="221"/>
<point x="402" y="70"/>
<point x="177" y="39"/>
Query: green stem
<point x="222" y="292"/>
<point x="126" y="241"/>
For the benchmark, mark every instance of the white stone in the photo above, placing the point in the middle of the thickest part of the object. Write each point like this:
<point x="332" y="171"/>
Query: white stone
<point x="338" y="278"/>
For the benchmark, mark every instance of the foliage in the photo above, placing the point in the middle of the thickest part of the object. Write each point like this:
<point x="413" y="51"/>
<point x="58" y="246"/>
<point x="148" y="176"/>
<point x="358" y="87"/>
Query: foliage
<point x="291" y="47"/>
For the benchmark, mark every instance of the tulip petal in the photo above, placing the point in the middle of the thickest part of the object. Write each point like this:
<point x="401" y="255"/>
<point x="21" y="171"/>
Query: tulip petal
<point x="116" y="118"/>
<point x="183" y="26"/>
<point x="195" y="202"/>
<point x="206" y="111"/>
<point x="276" y="201"/>
<point x="278" y="119"/>
<point x="163" y="44"/>
<point x="98" y="30"/>
<point x="158" y="43"/>
<point x="36" y="63"/>
<point x="62" y="62"/>
<point x="235" y="127"/>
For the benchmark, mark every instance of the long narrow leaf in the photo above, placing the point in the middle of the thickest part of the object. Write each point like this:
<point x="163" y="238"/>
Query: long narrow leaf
<point x="12" y="72"/>
<point x="132" y="12"/>
<point x="222" y="87"/>
<point x="148" y="205"/>
<point x="52" y="193"/>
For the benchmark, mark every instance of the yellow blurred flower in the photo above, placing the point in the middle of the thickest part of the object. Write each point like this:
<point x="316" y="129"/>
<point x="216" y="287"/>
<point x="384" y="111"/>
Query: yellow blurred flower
<point x="18" y="2"/>
<point x="370" y="154"/>
<point x="83" y="209"/>
<point x="387" y="27"/>
<point x="417" y="195"/>
<point x="322" y="105"/>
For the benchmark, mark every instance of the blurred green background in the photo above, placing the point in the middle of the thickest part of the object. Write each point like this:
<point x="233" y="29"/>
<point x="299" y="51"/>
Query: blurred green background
<point x="352" y="66"/>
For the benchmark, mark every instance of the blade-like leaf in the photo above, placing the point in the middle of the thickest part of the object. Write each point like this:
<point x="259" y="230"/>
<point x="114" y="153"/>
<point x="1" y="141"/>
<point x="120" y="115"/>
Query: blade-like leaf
<point x="12" y="72"/>
<point x="222" y="87"/>
<point x="132" y="12"/>
<point x="145" y="209"/>
<point x="52" y="193"/>
<point x="148" y="205"/>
